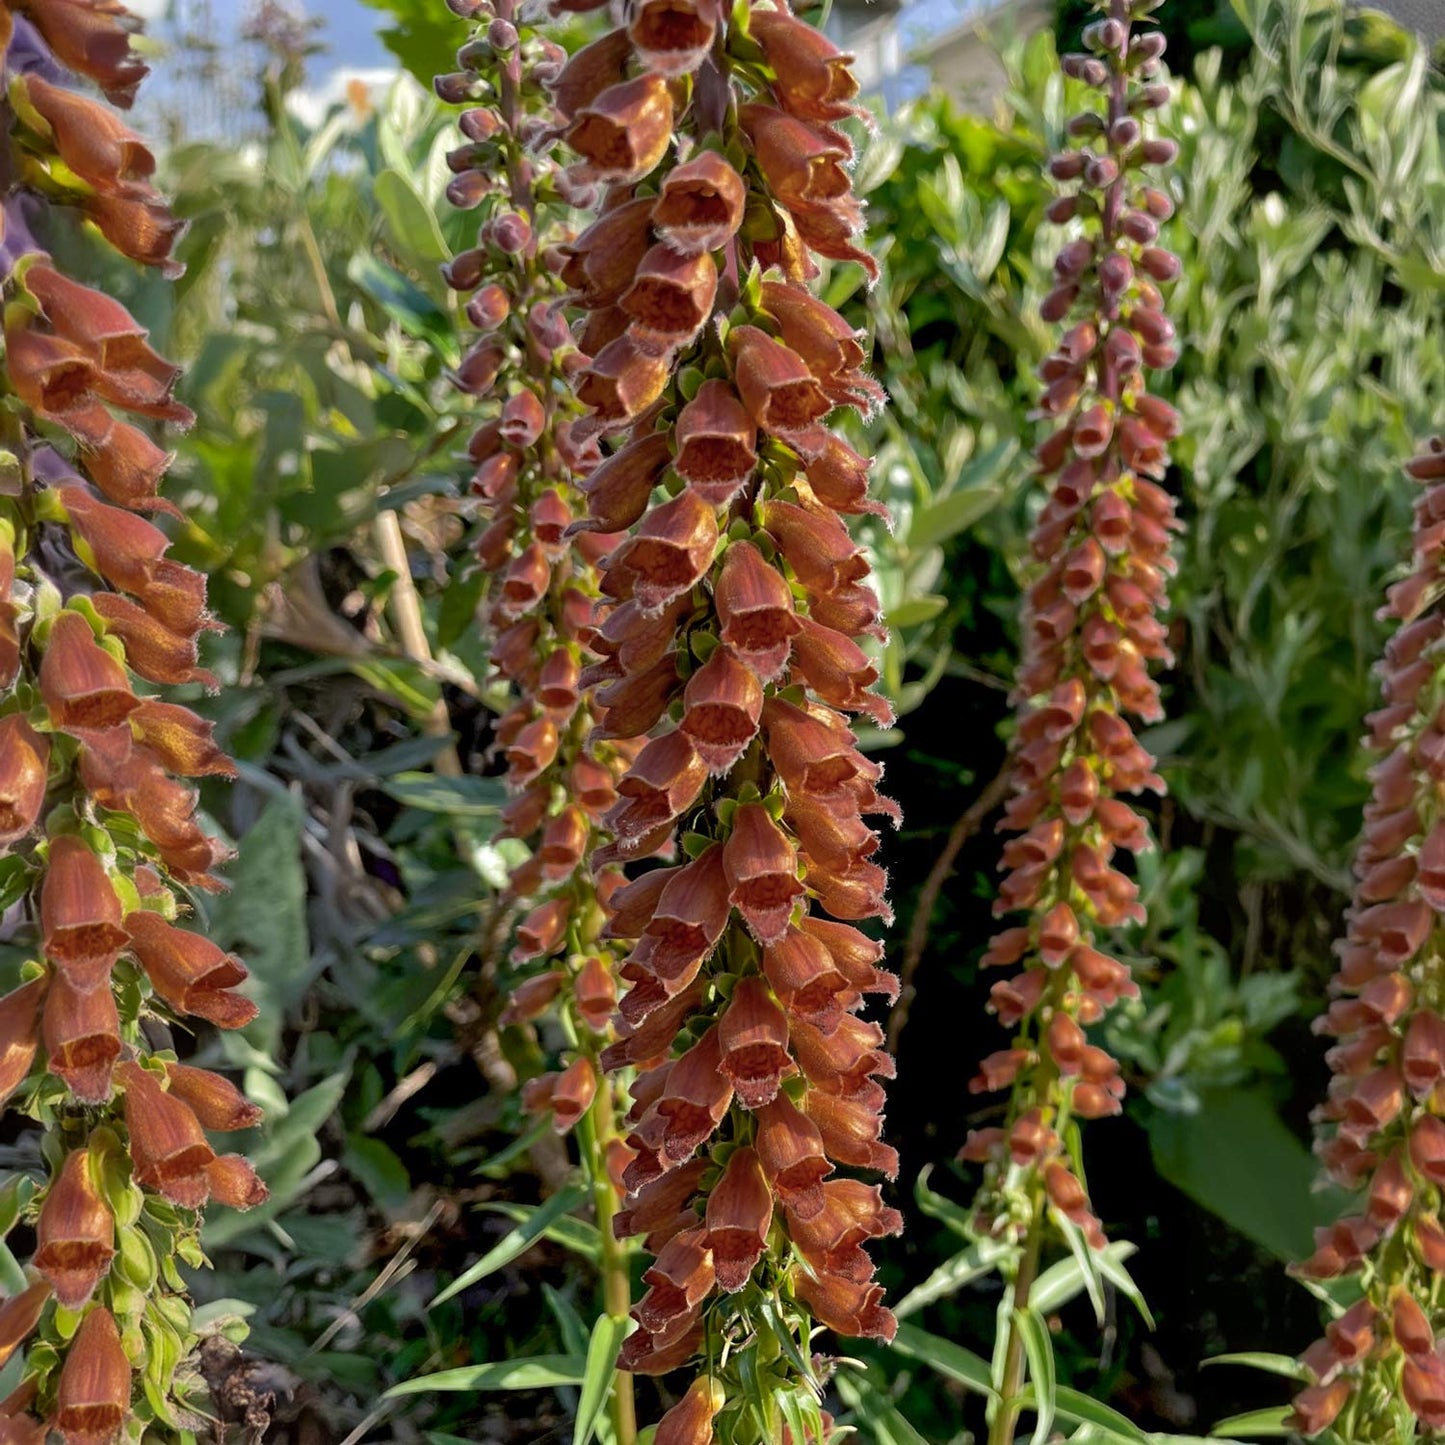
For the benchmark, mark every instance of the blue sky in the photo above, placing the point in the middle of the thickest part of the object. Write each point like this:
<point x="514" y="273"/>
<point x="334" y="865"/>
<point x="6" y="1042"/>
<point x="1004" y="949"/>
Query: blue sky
<point x="350" y="33"/>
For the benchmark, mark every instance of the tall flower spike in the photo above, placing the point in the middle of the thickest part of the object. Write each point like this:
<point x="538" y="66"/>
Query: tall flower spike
<point x="728" y="662"/>
<point x="547" y="514"/>
<point x="1377" y="1374"/>
<point x="1092" y="628"/>
<point x="95" y="797"/>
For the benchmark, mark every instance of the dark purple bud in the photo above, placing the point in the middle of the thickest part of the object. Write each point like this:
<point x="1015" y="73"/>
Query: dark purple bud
<point x="1115" y="273"/>
<point x="1139" y="227"/>
<point x="1056" y="304"/>
<point x="479" y="368"/>
<point x="464" y="271"/>
<point x="548" y="325"/>
<point x="1156" y="203"/>
<point x="1149" y="45"/>
<point x="1101" y="171"/>
<point x="1072" y="258"/>
<point x="458" y="88"/>
<point x="501" y="36"/>
<point x="1153" y="328"/>
<point x="1086" y="68"/>
<point x="1124" y="133"/>
<point x="480" y="124"/>
<point x="1104" y="35"/>
<point x="1086" y="124"/>
<point x="1161" y="358"/>
<point x="1123" y="351"/>
<point x="1067" y="167"/>
<point x="1158" y="152"/>
<point x="509" y="233"/>
<point x="1152" y="97"/>
<point x="1162" y="265"/>
<point x="489" y="308"/>
<point x="1061" y="209"/>
<point x="475" y="53"/>
<point x="466" y="192"/>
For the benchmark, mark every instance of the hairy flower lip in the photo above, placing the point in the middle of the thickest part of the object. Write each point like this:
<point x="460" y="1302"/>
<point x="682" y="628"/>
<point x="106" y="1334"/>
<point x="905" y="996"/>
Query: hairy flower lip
<point x="738" y="1216"/>
<point x="666" y="557"/>
<point x="167" y="1146"/>
<point x="722" y="703"/>
<point x="93" y="1397"/>
<point x="716" y="444"/>
<point x="75" y="1233"/>
<point x="673" y="37"/>
<point x="754" y="1034"/>
<point x="20" y="1314"/>
<point x="80" y="915"/>
<point x="24" y="764"/>
<point x="188" y="971"/>
<point x="761" y="865"/>
<point x="19" y="1036"/>
<point x="82" y="684"/>
<point x="755" y="607"/>
<point x="624" y="132"/>
<point x="782" y="396"/>
<point x="700" y="204"/>
<point x="81" y="1030"/>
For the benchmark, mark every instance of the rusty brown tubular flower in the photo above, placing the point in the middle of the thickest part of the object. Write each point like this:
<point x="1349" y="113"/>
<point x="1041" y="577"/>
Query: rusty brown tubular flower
<point x="563" y="731"/>
<point x="1092" y="627"/>
<point x="97" y="805"/>
<point x="729" y="663"/>
<point x="1377" y="1374"/>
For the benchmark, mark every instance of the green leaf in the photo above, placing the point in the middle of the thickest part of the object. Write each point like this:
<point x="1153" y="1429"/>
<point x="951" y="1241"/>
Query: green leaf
<point x="885" y="1423"/>
<point x="1039" y="1351"/>
<point x="940" y="1207"/>
<point x="601" y="1370"/>
<point x="571" y="1233"/>
<point x="1236" y="1158"/>
<point x="1285" y="1365"/>
<point x="966" y="1266"/>
<point x="973" y="495"/>
<point x="17" y="1193"/>
<point x="537" y="1373"/>
<point x="412" y="223"/>
<point x="1061" y="1282"/>
<point x="516" y="1241"/>
<point x="951" y="1361"/>
<point x="463" y="797"/>
<point x="916" y="611"/>
<point x="1253" y="1423"/>
<point x="1079" y="1409"/>
<point x="409" y="306"/>
<point x="423" y="38"/>
<point x="263" y="919"/>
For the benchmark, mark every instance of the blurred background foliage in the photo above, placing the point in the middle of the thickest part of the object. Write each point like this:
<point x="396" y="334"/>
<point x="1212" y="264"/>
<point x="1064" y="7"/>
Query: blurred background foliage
<point x="326" y="494"/>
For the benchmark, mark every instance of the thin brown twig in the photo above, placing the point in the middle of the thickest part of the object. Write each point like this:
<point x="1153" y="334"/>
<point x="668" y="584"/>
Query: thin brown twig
<point x="964" y="829"/>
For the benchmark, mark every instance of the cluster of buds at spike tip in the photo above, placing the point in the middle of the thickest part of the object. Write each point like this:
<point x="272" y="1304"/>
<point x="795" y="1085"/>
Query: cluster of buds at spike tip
<point x="97" y="816"/>
<point x="1092" y="628"/>
<point x="1379" y="1372"/>
<point x="729" y="661"/>
<point x="562" y="757"/>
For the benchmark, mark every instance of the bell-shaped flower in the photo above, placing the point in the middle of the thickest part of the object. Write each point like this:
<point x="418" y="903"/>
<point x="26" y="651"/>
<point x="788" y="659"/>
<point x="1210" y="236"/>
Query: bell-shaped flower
<point x="75" y="1233"/>
<point x="738" y="1216"/>
<point x="81" y="1031"/>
